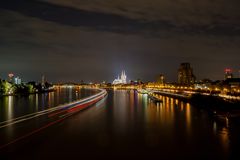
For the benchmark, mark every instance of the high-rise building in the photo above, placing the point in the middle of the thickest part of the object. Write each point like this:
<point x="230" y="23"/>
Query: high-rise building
<point x="122" y="79"/>
<point x="228" y="73"/>
<point x="17" y="80"/>
<point x="185" y="74"/>
<point x="161" y="79"/>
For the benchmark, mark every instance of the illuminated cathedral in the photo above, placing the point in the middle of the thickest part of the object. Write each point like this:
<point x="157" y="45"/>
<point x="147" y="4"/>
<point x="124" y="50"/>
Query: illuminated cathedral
<point x="122" y="79"/>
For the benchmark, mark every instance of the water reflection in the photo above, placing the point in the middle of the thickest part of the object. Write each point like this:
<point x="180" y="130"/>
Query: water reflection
<point x="36" y="102"/>
<point x="43" y="101"/>
<point x="215" y="127"/>
<point x="132" y="120"/>
<point x="121" y="99"/>
<point x="188" y="118"/>
<point x="9" y="113"/>
<point x="70" y="94"/>
<point x="132" y="98"/>
<point x="221" y="130"/>
<point x="224" y="136"/>
<point x="171" y="119"/>
<point x="16" y="106"/>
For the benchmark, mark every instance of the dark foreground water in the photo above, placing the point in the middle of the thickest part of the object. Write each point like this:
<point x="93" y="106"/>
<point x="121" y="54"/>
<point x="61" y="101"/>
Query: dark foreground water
<point x="127" y="125"/>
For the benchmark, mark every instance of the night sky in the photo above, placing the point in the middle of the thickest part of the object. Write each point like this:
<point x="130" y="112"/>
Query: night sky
<point x="93" y="40"/>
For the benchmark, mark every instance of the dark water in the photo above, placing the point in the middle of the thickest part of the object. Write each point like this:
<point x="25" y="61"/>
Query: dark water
<point x="129" y="125"/>
<point x="16" y="106"/>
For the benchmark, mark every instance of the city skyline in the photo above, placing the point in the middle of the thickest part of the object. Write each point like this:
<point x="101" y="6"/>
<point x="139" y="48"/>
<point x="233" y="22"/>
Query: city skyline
<point x="233" y="72"/>
<point x="92" y="41"/>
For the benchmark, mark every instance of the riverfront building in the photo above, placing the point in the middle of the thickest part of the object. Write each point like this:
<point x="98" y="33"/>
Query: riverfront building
<point x="161" y="79"/>
<point x="185" y="74"/>
<point x="17" y="81"/>
<point x="228" y="74"/>
<point x="122" y="79"/>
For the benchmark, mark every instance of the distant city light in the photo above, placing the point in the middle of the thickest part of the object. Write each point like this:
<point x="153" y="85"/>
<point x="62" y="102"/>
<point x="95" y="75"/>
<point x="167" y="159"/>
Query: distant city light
<point x="227" y="70"/>
<point x="10" y="75"/>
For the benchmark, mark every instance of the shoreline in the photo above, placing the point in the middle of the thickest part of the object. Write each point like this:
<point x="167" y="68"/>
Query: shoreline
<point x="217" y="106"/>
<point x="27" y="94"/>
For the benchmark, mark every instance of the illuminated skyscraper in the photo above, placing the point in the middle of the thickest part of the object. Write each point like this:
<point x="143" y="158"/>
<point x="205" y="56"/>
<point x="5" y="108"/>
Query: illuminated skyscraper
<point x="17" y="80"/>
<point x="185" y="74"/>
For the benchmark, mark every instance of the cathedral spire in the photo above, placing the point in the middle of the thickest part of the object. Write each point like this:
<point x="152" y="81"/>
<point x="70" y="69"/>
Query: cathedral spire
<point x="122" y="79"/>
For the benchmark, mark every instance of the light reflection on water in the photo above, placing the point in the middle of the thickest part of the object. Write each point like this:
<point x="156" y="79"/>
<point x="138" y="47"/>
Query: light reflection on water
<point x="36" y="102"/>
<point x="223" y="133"/>
<point x="126" y="120"/>
<point x="171" y="119"/>
<point x="188" y="117"/>
<point x="224" y="136"/>
<point x="15" y="106"/>
<point x="10" y="107"/>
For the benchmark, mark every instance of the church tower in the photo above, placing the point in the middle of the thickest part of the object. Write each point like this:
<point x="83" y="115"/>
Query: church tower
<point x="124" y="77"/>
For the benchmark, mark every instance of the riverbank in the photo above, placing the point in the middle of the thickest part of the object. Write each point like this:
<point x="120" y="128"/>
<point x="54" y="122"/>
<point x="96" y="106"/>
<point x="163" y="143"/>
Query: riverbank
<point x="215" y="105"/>
<point x="26" y="94"/>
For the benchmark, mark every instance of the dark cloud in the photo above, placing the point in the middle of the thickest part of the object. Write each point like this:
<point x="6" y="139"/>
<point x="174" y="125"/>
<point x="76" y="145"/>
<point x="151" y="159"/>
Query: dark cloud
<point x="189" y="23"/>
<point x="73" y="40"/>
<point x="215" y="16"/>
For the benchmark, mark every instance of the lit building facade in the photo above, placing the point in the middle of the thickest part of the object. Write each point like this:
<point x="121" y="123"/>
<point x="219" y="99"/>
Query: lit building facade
<point x="185" y="74"/>
<point x="228" y="74"/>
<point x="17" y="80"/>
<point x="122" y="79"/>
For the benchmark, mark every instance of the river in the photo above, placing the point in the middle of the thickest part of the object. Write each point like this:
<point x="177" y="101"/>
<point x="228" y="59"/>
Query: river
<point x="129" y="125"/>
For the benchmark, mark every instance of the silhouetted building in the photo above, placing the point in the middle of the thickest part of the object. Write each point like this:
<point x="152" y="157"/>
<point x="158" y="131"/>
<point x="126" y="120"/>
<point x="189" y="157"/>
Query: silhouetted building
<point x="228" y="74"/>
<point x="161" y="79"/>
<point x="232" y="82"/>
<point x="185" y="74"/>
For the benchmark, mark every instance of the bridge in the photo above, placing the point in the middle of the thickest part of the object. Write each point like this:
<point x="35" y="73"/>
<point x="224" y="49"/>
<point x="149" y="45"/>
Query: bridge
<point x="169" y="90"/>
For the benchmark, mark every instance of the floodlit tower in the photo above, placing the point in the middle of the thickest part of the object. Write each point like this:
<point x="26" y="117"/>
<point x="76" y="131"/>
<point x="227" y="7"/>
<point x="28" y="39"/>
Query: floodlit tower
<point x="124" y="77"/>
